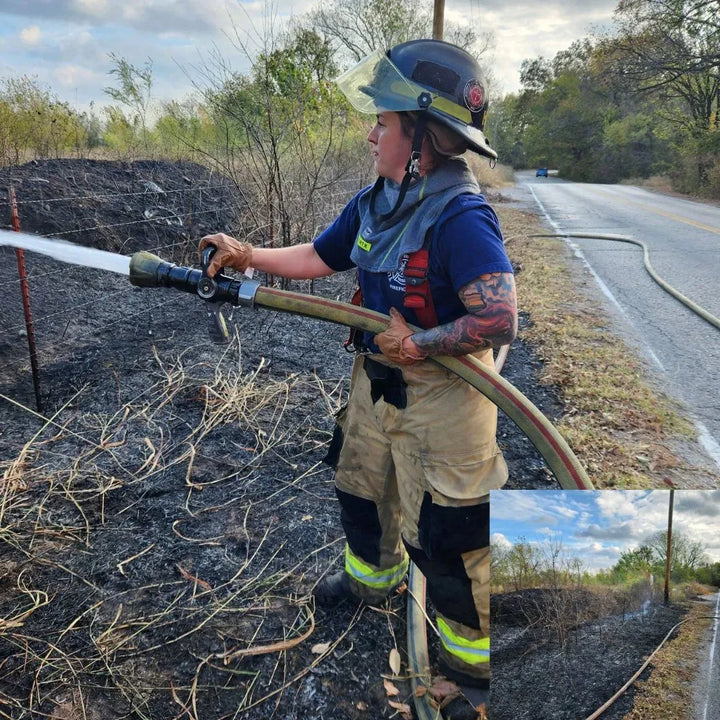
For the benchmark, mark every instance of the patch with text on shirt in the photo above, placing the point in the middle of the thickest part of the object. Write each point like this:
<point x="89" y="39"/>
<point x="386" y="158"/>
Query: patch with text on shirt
<point x="396" y="278"/>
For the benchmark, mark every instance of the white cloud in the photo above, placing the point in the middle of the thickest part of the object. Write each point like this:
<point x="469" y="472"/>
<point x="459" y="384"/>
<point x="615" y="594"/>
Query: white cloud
<point x="511" y="504"/>
<point x="73" y="76"/>
<point x="702" y="504"/>
<point x="550" y="532"/>
<point x="617" y="503"/>
<point x="93" y="8"/>
<point x="194" y="17"/>
<point x="564" y="511"/>
<point x="31" y="35"/>
<point x="525" y="30"/>
<point x="626" y="532"/>
<point x="180" y="32"/>
<point x="697" y="515"/>
<point x="500" y="540"/>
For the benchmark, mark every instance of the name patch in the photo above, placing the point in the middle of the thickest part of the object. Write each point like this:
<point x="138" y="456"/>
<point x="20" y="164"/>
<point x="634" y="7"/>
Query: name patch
<point x="363" y="244"/>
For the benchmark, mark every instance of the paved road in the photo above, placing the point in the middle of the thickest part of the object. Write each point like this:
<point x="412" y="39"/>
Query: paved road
<point x="683" y="238"/>
<point x="707" y="683"/>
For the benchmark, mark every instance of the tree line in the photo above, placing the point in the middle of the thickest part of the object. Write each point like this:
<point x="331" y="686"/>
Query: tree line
<point x="636" y="102"/>
<point x="281" y="130"/>
<point x="524" y="565"/>
<point x="290" y="75"/>
<point x="641" y="101"/>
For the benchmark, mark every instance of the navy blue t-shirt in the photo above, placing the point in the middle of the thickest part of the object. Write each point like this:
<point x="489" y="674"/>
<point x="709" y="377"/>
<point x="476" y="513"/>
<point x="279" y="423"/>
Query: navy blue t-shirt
<point x="466" y="243"/>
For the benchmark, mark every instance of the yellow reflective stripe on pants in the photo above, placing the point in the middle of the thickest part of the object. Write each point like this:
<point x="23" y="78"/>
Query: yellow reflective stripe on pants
<point x="385" y="579"/>
<point x="471" y="652"/>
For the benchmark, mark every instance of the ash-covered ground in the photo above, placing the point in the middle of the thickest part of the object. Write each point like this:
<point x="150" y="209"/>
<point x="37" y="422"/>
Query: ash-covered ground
<point x="545" y="666"/>
<point x="166" y="515"/>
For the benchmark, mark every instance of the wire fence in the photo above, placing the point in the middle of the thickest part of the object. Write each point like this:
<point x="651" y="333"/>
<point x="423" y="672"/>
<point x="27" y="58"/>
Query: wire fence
<point x="99" y="205"/>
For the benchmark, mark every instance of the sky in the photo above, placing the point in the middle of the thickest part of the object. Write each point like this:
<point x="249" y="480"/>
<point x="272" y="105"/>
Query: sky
<point x="598" y="525"/>
<point x="66" y="44"/>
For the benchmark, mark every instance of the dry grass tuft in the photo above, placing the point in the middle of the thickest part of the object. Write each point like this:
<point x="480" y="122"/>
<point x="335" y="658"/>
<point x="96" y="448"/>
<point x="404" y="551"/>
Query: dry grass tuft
<point x="150" y="619"/>
<point x="496" y="176"/>
<point x="622" y="430"/>
<point x="668" y="692"/>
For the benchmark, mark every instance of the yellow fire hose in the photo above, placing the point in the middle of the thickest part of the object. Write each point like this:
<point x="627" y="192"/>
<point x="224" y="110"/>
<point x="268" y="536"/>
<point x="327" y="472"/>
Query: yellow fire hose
<point x="629" y="683"/>
<point x="704" y="314"/>
<point x="548" y="441"/>
<point x="146" y="270"/>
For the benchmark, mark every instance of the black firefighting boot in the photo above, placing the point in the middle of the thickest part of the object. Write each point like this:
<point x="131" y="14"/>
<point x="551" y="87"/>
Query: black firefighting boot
<point x="473" y="701"/>
<point x="334" y="590"/>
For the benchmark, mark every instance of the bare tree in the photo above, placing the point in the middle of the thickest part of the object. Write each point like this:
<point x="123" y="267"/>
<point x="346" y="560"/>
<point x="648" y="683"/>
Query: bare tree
<point x="359" y="27"/>
<point x="576" y="569"/>
<point x="281" y="133"/>
<point x="133" y="90"/>
<point x="552" y="551"/>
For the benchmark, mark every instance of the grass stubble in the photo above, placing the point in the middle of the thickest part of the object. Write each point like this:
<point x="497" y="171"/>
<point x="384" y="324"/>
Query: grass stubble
<point x="625" y="431"/>
<point x="53" y="495"/>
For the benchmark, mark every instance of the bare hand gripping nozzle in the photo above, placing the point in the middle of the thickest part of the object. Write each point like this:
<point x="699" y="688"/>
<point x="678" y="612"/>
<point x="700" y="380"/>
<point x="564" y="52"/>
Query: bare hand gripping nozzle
<point x="148" y="270"/>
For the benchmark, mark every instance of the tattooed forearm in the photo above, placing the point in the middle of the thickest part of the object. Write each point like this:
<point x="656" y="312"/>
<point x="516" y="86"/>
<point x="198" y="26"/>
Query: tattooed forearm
<point x="491" y="319"/>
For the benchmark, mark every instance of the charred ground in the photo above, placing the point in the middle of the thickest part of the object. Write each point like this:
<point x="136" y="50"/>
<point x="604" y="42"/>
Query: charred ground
<point x="548" y="666"/>
<point x="164" y="521"/>
<point x="162" y="532"/>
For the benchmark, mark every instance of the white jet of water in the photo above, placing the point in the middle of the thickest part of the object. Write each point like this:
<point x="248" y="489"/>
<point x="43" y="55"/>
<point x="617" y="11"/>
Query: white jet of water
<point x="67" y="252"/>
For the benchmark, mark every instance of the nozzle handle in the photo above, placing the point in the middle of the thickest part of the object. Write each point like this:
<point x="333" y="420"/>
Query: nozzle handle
<point x="217" y="327"/>
<point x="207" y="287"/>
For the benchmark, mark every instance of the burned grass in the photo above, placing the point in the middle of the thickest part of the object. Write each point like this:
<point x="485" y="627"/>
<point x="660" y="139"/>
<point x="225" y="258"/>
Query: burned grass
<point x="668" y="691"/>
<point x="574" y="661"/>
<point x="138" y="573"/>
<point x="164" y="519"/>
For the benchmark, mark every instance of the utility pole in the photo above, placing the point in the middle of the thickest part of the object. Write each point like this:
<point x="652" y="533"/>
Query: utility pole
<point x="438" y="19"/>
<point x="668" y="551"/>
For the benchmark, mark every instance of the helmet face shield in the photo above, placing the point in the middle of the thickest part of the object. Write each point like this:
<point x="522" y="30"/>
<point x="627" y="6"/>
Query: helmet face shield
<point x="375" y="85"/>
<point x="431" y="76"/>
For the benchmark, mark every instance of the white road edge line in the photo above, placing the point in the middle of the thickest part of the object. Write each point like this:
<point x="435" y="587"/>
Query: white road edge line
<point x="706" y="440"/>
<point x="712" y="657"/>
<point x="601" y="283"/>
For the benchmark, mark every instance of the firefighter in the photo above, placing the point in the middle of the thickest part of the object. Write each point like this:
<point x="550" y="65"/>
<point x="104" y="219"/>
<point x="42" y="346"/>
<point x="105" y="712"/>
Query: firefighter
<point x="417" y="450"/>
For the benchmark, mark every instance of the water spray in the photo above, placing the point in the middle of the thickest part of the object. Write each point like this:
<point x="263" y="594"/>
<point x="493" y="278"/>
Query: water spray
<point x="67" y="252"/>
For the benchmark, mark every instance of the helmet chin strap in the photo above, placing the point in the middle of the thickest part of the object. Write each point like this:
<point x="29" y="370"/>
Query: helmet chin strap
<point x="412" y="169"/>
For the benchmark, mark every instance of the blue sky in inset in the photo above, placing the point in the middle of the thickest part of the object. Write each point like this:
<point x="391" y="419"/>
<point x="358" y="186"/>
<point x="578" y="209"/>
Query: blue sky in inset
<point x="598" y="525"/>
<point x="66" y="44"/>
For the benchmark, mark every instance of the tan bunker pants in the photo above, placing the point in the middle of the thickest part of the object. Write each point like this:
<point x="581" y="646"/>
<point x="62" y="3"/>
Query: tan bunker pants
<point x="418" y="460"/>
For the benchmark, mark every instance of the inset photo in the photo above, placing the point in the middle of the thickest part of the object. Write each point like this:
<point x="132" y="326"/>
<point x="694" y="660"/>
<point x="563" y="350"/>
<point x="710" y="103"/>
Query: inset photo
<point x="605" y="604"/>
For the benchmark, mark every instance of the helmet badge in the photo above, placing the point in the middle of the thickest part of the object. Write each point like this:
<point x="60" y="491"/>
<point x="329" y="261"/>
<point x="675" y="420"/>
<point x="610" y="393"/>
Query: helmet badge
<point x="474" y="95"/>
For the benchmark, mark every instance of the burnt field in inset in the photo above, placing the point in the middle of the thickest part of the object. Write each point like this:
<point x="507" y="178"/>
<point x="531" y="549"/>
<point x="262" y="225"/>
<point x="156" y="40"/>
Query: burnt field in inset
<point x="562" y="654"/>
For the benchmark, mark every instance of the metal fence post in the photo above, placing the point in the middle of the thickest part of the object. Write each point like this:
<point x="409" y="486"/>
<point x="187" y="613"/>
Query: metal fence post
<point x="30" y="328"/>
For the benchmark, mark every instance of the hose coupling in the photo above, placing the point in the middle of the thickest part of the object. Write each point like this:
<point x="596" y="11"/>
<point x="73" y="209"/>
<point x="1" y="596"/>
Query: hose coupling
<point x="246" y="293"/>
